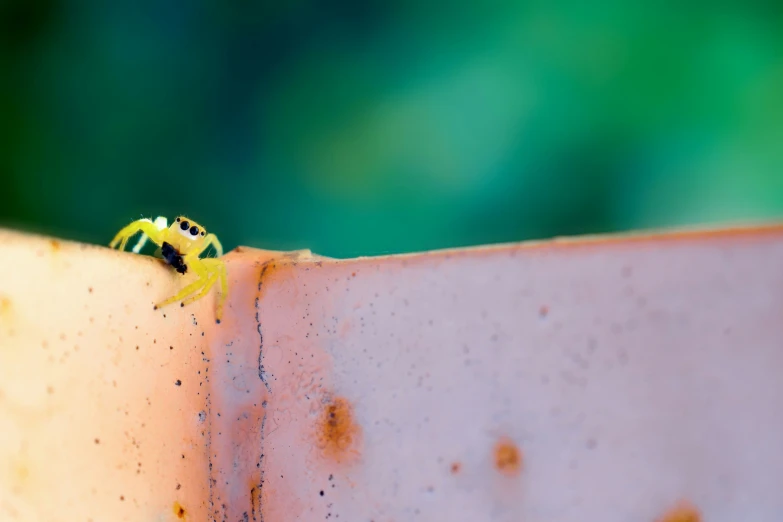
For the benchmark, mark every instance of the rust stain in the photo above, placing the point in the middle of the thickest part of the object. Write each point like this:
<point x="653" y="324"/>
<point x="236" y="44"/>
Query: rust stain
<point x="277" y="268"/>
<point x="508" y="457"/>
<point x="267" y="269"/>
<point x="266" y="272"/>
<point x="179" y="511"/>
<point x="456" y="467"/>
<point x="56" y="245"/>
<point x="337" y="433"/>
<point x="683" y="512"/>
<point x="285" y="261"/>
<point x="253" y="501"/>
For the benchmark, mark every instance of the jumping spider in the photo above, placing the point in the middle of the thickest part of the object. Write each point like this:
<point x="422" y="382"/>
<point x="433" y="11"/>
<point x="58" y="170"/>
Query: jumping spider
<point x="181" y="246"/>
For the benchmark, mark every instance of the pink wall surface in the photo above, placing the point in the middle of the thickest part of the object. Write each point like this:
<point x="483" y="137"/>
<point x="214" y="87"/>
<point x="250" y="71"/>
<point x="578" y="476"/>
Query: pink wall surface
<point x="614" y="379"/>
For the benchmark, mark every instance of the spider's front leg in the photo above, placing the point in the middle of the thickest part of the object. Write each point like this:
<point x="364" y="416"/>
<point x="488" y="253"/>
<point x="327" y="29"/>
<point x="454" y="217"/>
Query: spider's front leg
<point x="212" y="239"/>
<point x="210" y="271"/>
<point x="161" y="222"/>
<point x="142" y="225"/>
<point x="218" y="268"/>
<point x="202" y="279"/>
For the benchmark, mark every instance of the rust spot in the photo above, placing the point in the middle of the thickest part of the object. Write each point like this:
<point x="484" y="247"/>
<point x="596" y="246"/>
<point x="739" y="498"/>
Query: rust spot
<point x="456" y="467"/>
<point x="337" y="432"/>
<point x="55" y="244"/>
<point x="543" y="311"/>
<point x="508" y="457"/>
<point x="271" y="267"/>
<point x="179" y="510"/>
<point x="267" y="270"/>
<point x="682" y="512"/>
<point x="253" y="501"/>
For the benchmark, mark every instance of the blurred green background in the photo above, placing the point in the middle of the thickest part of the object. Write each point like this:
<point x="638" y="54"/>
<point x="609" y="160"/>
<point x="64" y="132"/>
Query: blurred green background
<point x="368" y="127"/>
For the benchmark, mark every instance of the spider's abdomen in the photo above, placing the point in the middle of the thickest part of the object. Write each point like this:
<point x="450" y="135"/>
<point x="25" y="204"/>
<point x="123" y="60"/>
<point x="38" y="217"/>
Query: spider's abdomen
<point x="173" y="257"/>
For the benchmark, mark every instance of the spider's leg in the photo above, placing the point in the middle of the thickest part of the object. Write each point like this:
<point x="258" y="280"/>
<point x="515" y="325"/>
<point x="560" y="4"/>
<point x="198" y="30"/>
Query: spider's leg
<point x="209" y="272"/>
<point x="211" y="239"/>
<point x="161" y="222"/>
<point x="140" y="243"/>
<point x="206" y="288"/>
<point x="142" y="225"/>
<point x="203" y="278"/>
<point x="219" y="266"/>
<point x="192" y="287"/>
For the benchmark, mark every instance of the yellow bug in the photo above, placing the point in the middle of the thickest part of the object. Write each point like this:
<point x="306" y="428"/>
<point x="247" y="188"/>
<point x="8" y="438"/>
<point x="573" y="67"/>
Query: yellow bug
<point x="181" y="246"/>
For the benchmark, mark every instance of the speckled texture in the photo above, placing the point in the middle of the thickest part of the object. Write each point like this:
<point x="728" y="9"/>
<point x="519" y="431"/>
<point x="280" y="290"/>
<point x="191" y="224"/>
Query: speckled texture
<point x="99" y="394"/>
<point x="612" y="380"/>
<point x="561" y="381"/>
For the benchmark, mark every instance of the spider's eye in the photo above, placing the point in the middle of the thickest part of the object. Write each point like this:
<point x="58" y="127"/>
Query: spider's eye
<point x="177" y="220"/>
<point x="203" y="233"/>
<point x="184" y="225"/>
<point x="194" y="230"/>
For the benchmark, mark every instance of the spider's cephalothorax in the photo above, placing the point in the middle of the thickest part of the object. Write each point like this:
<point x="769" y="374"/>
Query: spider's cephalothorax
<point x="181" y="246"/>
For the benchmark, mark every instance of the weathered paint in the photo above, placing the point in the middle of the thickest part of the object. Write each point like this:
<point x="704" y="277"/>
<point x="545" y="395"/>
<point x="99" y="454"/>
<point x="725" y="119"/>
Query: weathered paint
<point x="613" y="379"/>
<point x="602" y="381"/>
<point x="92" y="423"/>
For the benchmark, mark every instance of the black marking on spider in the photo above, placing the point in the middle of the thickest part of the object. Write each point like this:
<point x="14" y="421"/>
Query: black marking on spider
<point x="172" y="257"/>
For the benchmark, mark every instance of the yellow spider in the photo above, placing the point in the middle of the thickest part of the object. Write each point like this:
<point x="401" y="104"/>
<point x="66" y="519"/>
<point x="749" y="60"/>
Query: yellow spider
<point x="181" y="246"/>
